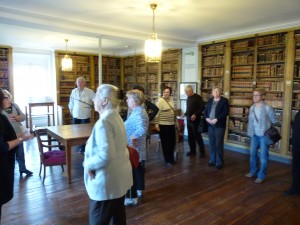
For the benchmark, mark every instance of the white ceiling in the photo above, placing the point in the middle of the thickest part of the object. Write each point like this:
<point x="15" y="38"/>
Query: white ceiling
<point x="123" y="25"/>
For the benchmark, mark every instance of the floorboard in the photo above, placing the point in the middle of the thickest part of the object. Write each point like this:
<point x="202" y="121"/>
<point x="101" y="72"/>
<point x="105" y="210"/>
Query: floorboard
<point x="189" y="193"/>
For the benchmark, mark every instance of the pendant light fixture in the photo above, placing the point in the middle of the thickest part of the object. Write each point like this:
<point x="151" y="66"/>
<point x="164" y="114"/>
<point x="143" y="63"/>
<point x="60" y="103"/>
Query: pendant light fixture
<point x="153" y="46"/>
<point x="66" y="62"/>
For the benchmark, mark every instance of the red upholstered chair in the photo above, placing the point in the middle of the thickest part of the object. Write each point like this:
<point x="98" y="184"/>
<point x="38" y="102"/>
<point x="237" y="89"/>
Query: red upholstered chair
<point x="50" y="155"/>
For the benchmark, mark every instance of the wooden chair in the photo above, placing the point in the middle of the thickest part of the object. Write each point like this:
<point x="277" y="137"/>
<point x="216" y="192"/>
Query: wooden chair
<point x="49" y="154"/>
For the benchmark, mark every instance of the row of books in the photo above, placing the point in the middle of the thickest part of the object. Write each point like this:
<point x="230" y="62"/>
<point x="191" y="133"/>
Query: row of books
<point x="214" y="49"/>
<point x="243" y="45"/>
<point x="213" y="72"/>
<point x="168" y="67"/>
<point x="239" y="110"/>
<point x="270" y="70"/>
<point x="214" y="60"/>
<point x="270" y="86"/>
<point x="271" y="56"/>
<point x="3" y="64"/>
<point x="242" y="59"/>
<point x="271" y="39"/>
<point x="3" y="52"/>
<point x="3" y="74"/>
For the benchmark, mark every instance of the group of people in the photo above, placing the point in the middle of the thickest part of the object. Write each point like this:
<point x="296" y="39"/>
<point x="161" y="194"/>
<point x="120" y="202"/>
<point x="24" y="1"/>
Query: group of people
<point x="110" y="180"/>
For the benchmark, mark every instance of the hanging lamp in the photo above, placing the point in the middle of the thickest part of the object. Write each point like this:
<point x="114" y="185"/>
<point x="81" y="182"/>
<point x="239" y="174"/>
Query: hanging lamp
<point x="153" y="45"/>
<point x="66" y="62"/>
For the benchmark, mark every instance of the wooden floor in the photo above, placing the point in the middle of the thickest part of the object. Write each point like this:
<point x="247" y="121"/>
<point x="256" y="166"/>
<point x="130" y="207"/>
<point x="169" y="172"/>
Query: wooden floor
<point x="188" y="193"/>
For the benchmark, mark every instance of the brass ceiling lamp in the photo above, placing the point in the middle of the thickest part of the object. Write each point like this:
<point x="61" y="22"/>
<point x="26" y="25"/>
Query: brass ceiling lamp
<point x="153" y="46"/>
<point x="66" y="62"/>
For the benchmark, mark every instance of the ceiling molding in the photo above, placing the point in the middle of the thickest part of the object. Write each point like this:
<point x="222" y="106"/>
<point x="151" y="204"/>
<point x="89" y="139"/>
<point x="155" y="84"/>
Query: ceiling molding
<point x="240" y="34"/>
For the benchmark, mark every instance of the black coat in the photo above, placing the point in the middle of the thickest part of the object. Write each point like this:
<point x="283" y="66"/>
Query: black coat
<point x="7" y="160"/>
<point x="222" y="111"/>
<point x="296" y="132"/>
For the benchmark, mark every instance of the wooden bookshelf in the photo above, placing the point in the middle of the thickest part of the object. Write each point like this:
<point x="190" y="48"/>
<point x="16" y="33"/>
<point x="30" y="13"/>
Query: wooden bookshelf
<point x="171" y="72"/>
<point x="6" y="68"/>
<point x="212" y="68"/>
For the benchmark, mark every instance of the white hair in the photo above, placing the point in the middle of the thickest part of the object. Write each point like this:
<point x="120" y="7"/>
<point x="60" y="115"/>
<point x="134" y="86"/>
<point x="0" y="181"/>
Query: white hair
<point x="109" y="92"/>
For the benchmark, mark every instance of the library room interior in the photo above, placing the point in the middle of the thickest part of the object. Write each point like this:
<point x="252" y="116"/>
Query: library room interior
<point x="60" y="126"/>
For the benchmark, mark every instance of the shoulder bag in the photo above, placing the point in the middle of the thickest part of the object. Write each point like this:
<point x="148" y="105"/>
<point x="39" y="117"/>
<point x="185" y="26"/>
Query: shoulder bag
<point x="272" y="132"/>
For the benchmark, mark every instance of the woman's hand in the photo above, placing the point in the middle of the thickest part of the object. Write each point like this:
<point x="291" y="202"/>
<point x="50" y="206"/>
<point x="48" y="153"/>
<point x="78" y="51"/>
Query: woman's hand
<point x="157" y="127"/>
<point x="92" y="174"/>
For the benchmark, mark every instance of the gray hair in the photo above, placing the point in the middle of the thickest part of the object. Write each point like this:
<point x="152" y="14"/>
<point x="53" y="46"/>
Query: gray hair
<point x="80" y="78"/>
<point x="109" y="92"/>
<point x="189" y="87"/>
<point x="137" y="95"/>
<point x="6" y="93"/>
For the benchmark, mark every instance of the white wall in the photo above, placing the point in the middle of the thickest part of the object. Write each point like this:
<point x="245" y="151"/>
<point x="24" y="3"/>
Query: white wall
<point x="189" y="71"/>
<point x="33" y="76"/>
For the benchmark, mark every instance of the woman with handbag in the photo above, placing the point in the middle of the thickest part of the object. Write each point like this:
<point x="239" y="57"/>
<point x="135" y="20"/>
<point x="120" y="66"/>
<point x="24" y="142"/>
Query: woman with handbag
<point x="9" y="142"/>
<point x="261" y="117"/>
<point x="165" y="125"/>
<point x="15" y="116"/>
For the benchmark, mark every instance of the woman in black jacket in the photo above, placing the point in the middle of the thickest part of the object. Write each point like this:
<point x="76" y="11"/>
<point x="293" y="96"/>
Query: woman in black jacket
<point x="9" y="143"/>
<point x="216" y="113"/>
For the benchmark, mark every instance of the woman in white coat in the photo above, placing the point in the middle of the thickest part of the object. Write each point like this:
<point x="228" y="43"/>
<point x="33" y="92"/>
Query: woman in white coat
<point x="107" y="169"/>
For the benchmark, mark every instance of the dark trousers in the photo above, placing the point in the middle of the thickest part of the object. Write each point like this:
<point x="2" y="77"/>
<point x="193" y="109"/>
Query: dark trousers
<point x="216" y="145"/>
<point x="296" y="170"/>
<point x="101" y="212"/>
<point x="81" y="121"/>
<point x="168" y="141"/>
<point x="139" y="174"/>
<point x="194" y="136"/>
<point x="138" y="180"/>
<point x="131" y="193"/>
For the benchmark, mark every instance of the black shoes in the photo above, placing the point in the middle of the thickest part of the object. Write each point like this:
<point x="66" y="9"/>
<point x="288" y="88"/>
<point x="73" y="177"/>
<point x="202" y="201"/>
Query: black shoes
<point x="27" y="172"/>
<point x="211" y="164"/>
<point x="291" y="192"/>
<point x="219" y="167"/>
<point x="190" y="154"/>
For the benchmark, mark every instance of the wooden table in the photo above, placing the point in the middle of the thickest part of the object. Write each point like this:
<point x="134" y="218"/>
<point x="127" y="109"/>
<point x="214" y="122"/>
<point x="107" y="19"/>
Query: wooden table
<point x="70" y="135"/>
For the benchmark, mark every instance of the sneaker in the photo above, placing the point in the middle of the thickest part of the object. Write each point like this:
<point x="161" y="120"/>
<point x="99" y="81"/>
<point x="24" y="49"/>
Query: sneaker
<point x="139" y="193"/>
<point x="249" y="175"/>
<point x="131" y="201"/>
<point x="259" y="181"/>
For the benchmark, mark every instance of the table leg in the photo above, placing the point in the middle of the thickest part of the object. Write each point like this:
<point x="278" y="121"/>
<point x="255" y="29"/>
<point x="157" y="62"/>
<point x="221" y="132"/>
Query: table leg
<point x="68" y="161"/>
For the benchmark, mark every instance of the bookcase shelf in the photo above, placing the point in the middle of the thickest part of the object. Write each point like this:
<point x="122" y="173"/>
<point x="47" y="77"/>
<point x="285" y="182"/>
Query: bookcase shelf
<point x="256" y="62"/>
<point x="5" y="67"/>
<point x="212" y="68"/>
<point x="171" y="72"/>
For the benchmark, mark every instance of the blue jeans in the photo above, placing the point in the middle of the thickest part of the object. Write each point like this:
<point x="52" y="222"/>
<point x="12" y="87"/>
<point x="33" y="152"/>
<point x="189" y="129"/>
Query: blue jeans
<point x="20" y="157"/>
<point x="262" y="143"/>
<point x="216" y="145"/>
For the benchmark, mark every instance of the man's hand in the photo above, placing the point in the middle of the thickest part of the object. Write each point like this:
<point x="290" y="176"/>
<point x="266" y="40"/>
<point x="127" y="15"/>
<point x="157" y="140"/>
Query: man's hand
<point x="193" y="117"/>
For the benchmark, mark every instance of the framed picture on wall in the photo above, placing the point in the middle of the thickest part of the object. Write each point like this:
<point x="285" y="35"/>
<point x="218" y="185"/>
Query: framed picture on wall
<point x="182" y="86"/>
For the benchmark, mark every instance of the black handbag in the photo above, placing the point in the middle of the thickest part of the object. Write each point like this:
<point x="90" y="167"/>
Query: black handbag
<point x="203" y="126"/>
<point x="273" y="134"/>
